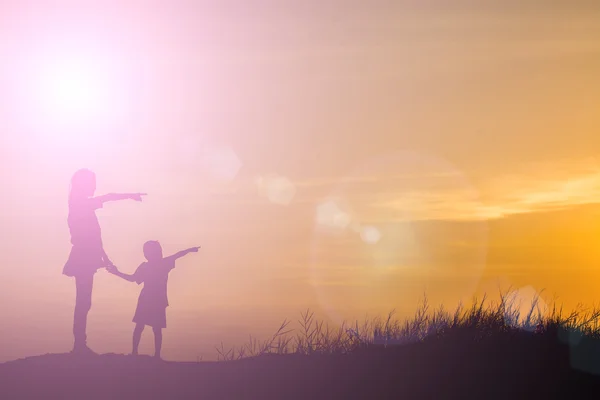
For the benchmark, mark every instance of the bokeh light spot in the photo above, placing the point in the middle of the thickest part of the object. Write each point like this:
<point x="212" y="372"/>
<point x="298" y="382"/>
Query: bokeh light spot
<point x="329" y="214"/>
<point x="277" y="189"/>
<point x="370" y="234"/>
<point x="222" y="162"/>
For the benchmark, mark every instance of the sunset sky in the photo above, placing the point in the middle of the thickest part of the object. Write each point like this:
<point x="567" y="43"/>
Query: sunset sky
<point x="334" y="155"/>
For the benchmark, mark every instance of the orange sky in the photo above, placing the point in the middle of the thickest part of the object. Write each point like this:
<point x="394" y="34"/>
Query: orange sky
<point x="383" y="152"/>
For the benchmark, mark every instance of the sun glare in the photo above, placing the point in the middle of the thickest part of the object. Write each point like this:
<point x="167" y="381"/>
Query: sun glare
<point x="63" y="88"/>
<point x="72" y="90"/>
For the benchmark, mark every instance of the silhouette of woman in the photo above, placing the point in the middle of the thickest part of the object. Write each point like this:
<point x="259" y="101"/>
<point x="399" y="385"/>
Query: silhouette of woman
<point x="87" y="252"/>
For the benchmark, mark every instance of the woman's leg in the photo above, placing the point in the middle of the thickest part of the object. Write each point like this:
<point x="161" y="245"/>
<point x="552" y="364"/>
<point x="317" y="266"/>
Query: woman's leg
<point x="137" y="335"/>
<point x="157" y="341"/>
<point x="83" y="303"/>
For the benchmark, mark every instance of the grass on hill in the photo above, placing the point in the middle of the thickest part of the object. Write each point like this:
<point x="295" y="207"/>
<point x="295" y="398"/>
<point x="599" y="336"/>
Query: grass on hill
<point x="489" y="350"/>
<point x="483" y="319"/>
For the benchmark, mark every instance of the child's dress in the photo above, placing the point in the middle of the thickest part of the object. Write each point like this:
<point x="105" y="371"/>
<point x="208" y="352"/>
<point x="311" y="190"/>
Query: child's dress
<point x="153" y="301"/>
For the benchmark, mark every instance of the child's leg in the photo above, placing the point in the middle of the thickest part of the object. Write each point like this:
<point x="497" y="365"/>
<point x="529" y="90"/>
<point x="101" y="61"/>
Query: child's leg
<point x="137" y="335"/>
<point x="157" y="341"/>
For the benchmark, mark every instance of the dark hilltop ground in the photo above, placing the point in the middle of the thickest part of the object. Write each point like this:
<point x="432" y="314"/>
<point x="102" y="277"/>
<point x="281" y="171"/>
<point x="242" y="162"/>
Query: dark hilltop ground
<point x="474" y="355"/>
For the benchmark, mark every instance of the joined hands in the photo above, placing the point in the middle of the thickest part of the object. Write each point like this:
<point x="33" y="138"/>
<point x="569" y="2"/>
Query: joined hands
<point x="112" y="269"/>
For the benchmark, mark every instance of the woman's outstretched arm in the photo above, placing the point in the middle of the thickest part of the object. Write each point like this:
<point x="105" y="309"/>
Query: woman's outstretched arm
<point x="119" y="196"/>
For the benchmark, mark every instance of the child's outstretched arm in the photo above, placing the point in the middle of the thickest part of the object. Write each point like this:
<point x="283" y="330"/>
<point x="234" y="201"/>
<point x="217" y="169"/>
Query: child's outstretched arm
<point x="182" y="253"/>
<point x="119" y="196"/>
<point x="113" y="270"/>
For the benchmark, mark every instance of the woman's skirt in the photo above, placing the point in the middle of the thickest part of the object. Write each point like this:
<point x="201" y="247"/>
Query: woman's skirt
<point x="84" y="260"/>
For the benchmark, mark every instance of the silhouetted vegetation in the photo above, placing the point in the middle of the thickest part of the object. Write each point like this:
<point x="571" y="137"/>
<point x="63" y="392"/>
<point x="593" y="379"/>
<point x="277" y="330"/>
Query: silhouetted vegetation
<point x="485" y="351"/>
<point x="483" y="319"/>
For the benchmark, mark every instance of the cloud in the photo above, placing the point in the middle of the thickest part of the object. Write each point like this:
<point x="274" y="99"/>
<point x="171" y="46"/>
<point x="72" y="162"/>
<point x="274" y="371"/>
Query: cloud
<point x="368" y="179"/>
<point x="548" y="187"/>
<point x="436" y="195"/>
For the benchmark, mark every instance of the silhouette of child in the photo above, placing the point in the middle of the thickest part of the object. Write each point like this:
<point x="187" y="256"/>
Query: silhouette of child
<point x="153" y="302"/>
<point x="87" y="252"/>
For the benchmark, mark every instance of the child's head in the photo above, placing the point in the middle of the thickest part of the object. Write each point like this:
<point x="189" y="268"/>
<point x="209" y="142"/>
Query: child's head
<point x="83" y="183"/>
<point x="153" y="250"/>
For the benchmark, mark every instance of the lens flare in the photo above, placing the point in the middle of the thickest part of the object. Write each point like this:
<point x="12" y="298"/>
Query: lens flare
<point x="393" y="229"/>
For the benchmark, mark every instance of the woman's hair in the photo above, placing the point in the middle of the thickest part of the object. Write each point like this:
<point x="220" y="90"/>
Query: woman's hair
<point x="83" y="183"/>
